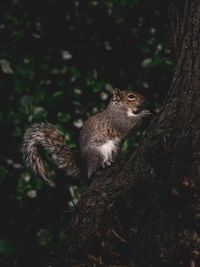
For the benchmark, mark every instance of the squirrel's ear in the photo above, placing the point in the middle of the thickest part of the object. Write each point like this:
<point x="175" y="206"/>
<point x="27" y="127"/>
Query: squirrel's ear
<point x="116" y="94"/>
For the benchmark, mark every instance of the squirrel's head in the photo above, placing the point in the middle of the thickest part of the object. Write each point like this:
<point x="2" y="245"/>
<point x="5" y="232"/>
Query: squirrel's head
<point x="131" y="100"/>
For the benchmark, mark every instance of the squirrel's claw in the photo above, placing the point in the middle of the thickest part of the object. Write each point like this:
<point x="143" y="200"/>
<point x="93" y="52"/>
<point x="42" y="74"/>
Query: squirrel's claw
<point x="145" y="113"/>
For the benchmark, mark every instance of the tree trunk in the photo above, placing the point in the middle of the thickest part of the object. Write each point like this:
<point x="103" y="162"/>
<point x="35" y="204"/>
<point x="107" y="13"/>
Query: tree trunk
<point x="146" y="212"/>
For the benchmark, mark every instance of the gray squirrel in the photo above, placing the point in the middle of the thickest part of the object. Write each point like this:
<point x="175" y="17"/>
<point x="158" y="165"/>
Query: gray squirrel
<point x="99" y="140"/>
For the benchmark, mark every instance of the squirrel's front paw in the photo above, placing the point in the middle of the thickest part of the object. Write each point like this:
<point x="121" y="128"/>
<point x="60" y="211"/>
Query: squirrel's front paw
<point x="145" y="113"/>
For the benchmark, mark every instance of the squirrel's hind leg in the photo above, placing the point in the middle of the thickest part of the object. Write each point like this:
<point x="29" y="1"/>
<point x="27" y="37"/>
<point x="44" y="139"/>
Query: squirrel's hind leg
<point x="93" y="160"/>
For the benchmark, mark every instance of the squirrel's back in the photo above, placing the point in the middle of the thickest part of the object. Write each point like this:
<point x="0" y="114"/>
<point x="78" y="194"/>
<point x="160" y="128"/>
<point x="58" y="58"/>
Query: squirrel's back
<point x="48" y="137"/>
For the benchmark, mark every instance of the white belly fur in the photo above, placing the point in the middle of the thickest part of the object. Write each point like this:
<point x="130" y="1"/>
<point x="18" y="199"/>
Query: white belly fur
<point x="108" y="149"/>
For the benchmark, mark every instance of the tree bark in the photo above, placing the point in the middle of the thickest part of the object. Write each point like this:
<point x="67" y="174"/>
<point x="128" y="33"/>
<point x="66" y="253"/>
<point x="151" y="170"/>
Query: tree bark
<point x="146" y="212"/>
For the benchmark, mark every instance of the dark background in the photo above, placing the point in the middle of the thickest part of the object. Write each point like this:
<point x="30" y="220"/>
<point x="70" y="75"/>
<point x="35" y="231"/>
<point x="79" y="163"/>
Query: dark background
<point x="59" y="61"/>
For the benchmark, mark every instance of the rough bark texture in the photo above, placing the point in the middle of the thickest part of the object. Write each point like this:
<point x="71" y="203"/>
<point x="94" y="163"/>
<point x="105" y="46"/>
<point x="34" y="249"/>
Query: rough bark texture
<point x="147" y="212"/>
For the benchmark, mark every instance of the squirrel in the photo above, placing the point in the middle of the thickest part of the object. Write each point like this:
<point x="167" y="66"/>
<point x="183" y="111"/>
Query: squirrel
<point x="99" y="139"/>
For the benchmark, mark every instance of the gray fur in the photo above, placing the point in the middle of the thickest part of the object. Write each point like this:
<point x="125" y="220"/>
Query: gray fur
<point x="114" y="116"/>
<point x="49" y="138"/>
<point x="99" y="142"/>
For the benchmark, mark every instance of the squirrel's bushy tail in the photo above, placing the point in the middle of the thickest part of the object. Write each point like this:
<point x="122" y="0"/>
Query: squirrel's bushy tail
<point x="49" y="138"/>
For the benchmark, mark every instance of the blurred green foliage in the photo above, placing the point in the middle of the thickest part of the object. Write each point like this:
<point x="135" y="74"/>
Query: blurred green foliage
<point x="59" y="61"/>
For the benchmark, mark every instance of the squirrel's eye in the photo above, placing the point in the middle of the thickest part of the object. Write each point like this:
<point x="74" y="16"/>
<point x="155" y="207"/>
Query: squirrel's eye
<point x="131" y="96"/>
